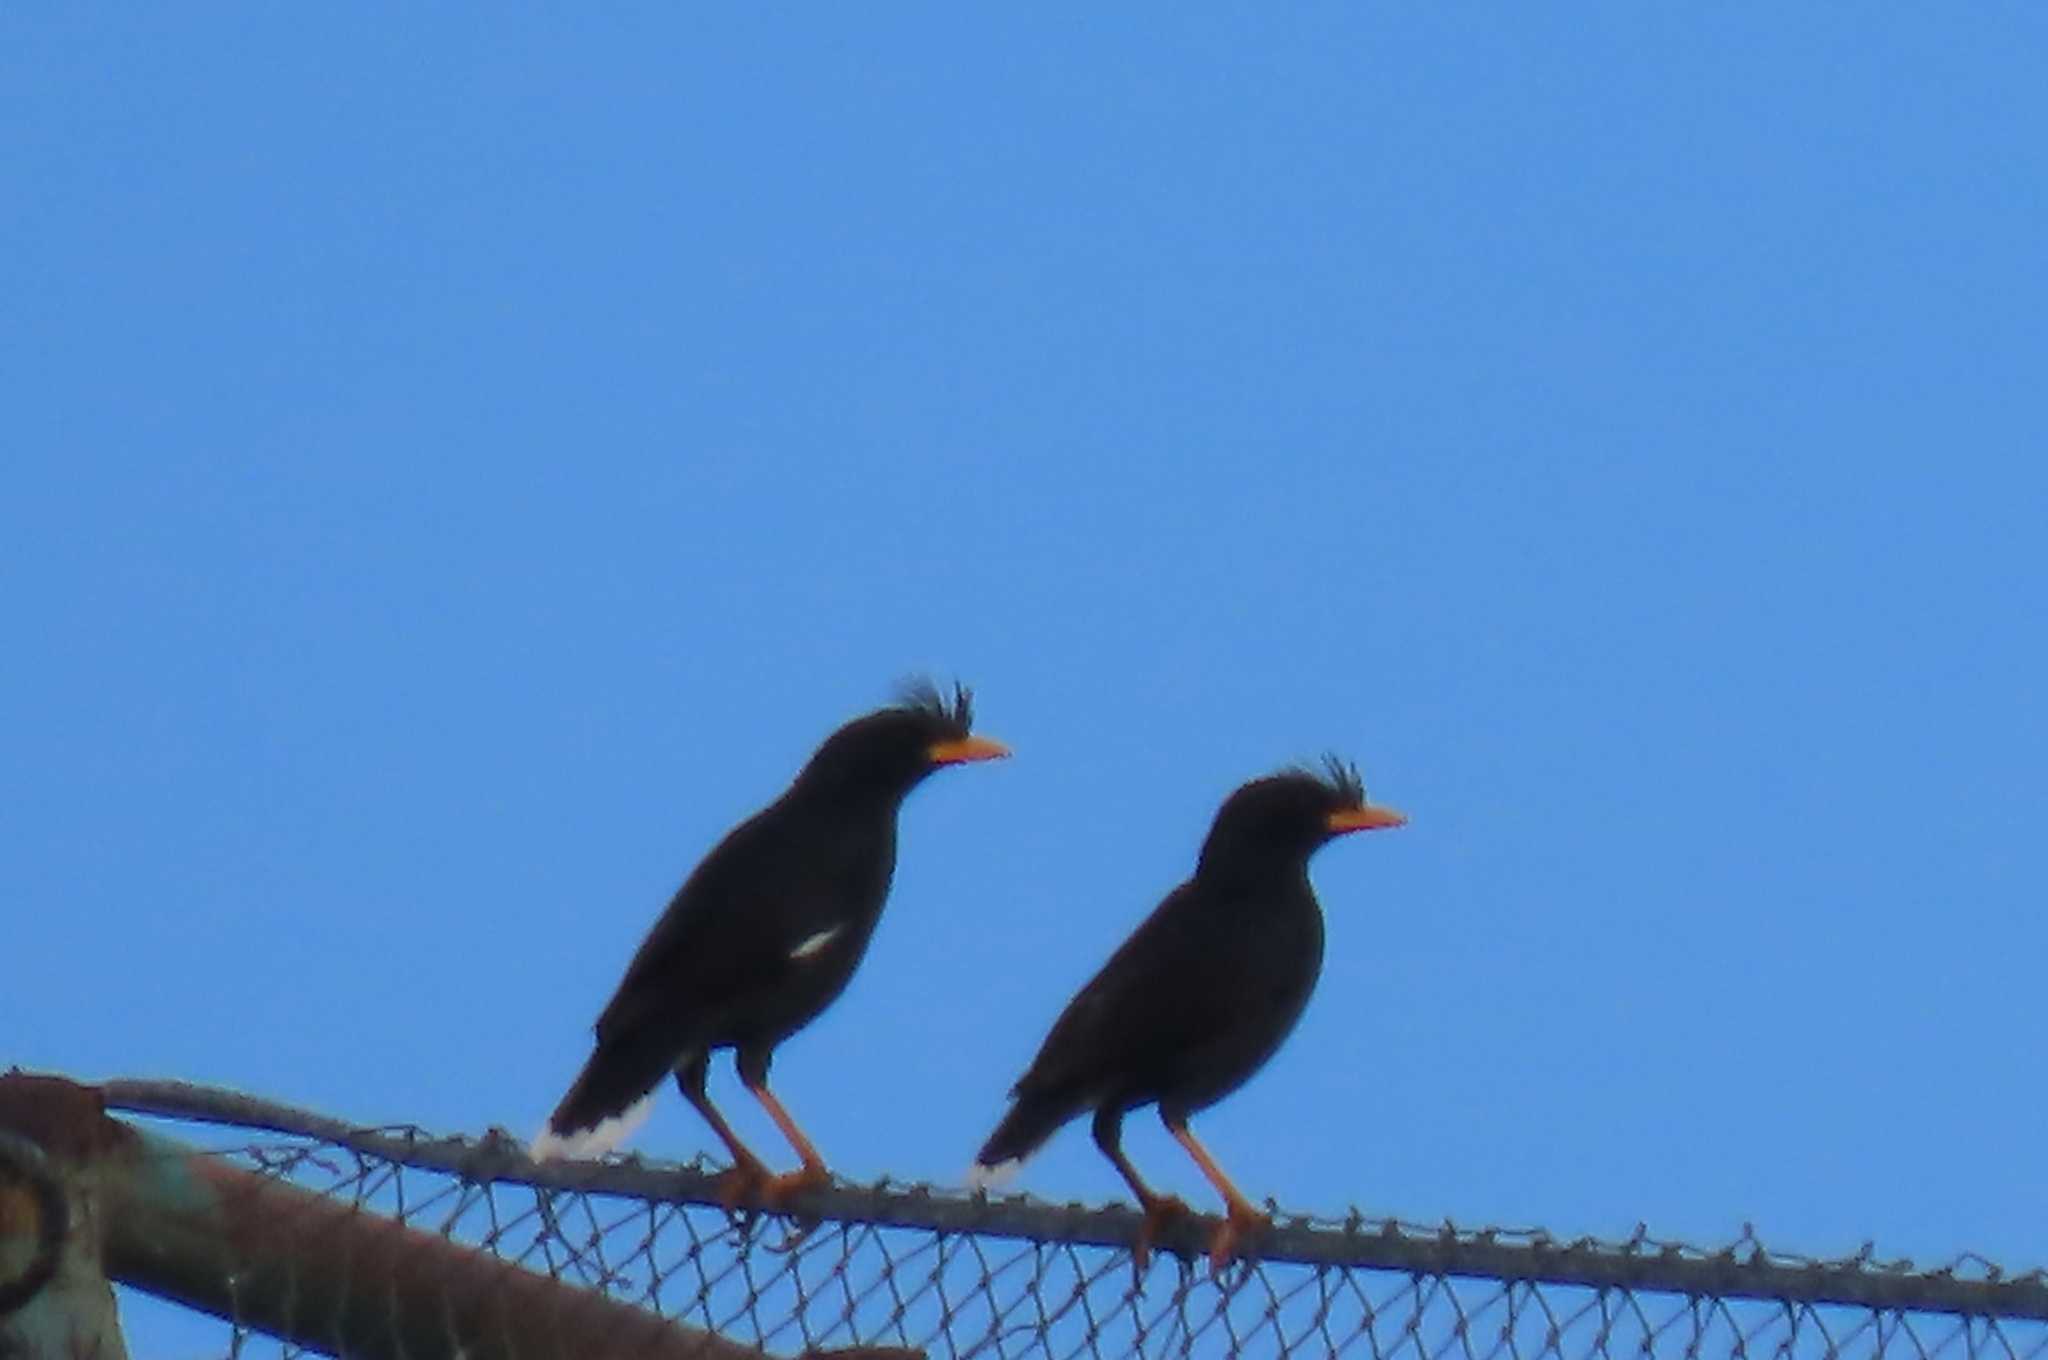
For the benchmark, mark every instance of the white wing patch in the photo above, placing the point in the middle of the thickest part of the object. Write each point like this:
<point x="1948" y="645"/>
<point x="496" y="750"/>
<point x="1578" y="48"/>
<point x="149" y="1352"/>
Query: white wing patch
<point x="587" y="1144"/>
<point x="812" y="944"/>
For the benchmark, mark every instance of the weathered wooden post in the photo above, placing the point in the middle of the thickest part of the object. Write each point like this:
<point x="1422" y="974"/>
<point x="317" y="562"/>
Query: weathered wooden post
<point x="55" y="1301"/>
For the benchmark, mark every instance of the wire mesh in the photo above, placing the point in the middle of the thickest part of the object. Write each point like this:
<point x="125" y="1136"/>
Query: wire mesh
<point x="952" y="1275"/>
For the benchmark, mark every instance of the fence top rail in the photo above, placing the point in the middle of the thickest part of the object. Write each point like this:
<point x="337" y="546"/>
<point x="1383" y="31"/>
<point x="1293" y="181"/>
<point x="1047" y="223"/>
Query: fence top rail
<point x="1969" y="1286"/>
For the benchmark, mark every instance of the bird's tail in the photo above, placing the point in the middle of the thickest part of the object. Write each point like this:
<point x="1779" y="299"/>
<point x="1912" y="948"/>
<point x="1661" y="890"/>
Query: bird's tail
<point x="609" y="1099"/>
<point x="1032" y="1120"/>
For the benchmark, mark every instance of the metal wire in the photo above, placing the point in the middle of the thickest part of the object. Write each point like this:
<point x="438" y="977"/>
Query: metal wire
<point x="956" y="1275"/>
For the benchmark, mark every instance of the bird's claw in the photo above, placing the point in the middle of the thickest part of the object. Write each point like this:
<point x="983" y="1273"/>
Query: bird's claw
<point x="1240" y="1224"/>
<point x="799" y="1232"/>
<point x="779" y="1190"/>
<point x="748" y="1186"/>
<point x="1161" y="1212"/>
<point x="748" y="1190"/>
<point x="773" y="1193"/>
<point x="739" y="1187"/>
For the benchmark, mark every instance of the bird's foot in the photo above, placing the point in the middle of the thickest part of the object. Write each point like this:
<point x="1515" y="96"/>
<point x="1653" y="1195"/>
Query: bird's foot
<point x="1161" y="1212"/>
<point x="779" y="1190"/>
<point x="741" y="1185"/>
<point x="1240" y="1225"/>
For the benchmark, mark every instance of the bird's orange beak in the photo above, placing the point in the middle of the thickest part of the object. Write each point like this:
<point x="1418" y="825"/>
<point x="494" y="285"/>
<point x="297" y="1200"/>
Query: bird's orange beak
<point x="966" y="749"/>
<point x="1367" y="818"/>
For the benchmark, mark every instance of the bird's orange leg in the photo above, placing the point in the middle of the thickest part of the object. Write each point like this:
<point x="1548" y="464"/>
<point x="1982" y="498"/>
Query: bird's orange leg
<point x="748" y="1174"/>
<point x="1160" y="1210"/>
<point x="1242" y="1221"/>
<point x="812" y="1174"/>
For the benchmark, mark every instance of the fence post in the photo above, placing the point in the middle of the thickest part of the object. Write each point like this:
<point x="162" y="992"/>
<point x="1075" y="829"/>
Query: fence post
<point x="183" y="1225"/>
<point x="55" y="1302"/>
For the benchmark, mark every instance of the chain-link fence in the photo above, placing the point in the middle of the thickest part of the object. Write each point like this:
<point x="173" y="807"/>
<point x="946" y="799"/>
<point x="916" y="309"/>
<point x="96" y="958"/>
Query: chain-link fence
<point x="472" y="1250"/>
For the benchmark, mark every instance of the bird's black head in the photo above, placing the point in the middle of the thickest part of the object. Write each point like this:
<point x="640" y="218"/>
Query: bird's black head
<point x="890" y="750"/>
<point x="1284" y="818"/>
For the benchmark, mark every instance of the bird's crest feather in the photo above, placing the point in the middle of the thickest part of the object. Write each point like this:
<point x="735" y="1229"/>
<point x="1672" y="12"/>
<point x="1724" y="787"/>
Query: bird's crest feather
<point x="1343" y="779"/>
<point x="922" y="695"/>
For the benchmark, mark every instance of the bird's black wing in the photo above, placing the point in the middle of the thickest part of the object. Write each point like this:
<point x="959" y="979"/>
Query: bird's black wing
<point x="727" y="932"/>
<point x="1168" y="991"/>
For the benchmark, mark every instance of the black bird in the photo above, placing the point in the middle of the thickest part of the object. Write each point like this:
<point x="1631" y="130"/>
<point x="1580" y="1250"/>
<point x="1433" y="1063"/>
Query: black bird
<point x="1200" y="995"/>
<point x="763" y="936"/>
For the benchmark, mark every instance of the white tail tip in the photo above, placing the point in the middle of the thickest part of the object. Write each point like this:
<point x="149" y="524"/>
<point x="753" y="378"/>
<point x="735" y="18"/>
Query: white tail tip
<point x="980" y="1177"/>
<point x="582" y="1145"/>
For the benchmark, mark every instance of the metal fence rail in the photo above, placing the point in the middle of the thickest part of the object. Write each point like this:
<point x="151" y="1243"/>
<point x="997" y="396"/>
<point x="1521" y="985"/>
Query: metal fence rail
<point x="952" y="1275"/>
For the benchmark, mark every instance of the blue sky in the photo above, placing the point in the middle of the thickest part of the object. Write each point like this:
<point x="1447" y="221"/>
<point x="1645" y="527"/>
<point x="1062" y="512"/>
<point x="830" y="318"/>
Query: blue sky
<point x="463" y="459"/>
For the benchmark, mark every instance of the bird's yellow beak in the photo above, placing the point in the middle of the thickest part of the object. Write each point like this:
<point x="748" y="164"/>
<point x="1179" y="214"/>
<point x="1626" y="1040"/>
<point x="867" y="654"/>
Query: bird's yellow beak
<point x="966" y="749"/>
<point x="1367" y="818"/>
